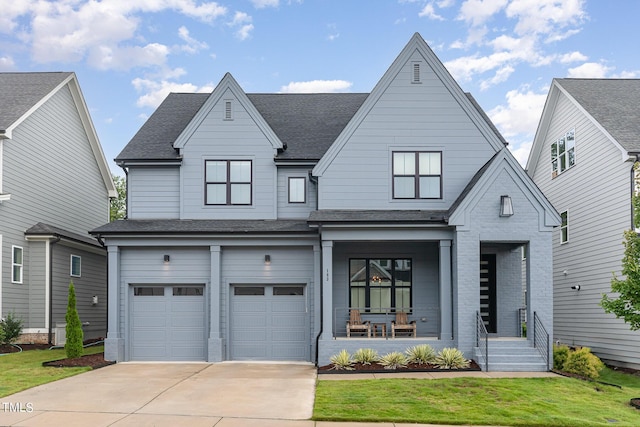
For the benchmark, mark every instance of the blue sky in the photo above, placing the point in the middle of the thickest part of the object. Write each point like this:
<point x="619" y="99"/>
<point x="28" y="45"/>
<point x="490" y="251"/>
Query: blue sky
<point x="128" y="54"/>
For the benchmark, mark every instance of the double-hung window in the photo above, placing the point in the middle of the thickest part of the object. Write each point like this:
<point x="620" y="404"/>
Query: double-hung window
<point x="563" y="153"/>
<point x="564" y="227"/>
<point x="380" y="284"/>
<point x="228" y="182"/>
<point x="417" y="175"/>
<point x="17" y="264"/>
<point x="297" y="189"/>
<point x="76" y="266"/>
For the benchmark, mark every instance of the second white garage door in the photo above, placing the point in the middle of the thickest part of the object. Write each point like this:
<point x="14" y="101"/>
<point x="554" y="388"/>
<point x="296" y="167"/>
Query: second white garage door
<point x="269" y="322"/>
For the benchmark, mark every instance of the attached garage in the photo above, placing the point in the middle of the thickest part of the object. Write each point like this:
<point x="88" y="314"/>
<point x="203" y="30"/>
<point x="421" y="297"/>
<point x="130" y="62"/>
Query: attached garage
<point x="168" y="323"/>
<point x="269" y="322"/>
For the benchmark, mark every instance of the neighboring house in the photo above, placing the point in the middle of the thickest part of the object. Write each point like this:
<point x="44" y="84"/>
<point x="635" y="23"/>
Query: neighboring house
<point x="583" y="159"/>
<point x="257" y="221"/>
<point x="54" y="187"/>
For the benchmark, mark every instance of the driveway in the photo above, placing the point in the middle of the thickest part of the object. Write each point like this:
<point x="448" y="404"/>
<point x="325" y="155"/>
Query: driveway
<point x="170" y="394"/>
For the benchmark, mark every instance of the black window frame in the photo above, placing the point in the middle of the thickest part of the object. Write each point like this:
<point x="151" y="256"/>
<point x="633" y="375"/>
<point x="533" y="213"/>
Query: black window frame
<point x="228" y="183"/>
<point x="416" y="175"/>
<point x="393" y="306"/>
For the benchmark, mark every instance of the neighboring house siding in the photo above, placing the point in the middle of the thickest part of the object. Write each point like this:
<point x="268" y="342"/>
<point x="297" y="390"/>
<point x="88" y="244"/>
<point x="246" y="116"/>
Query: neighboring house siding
<point x="237" y="139"/>
<point x="288" y="210"/>
<point x="407" y="117"/>
<point x="36" y="285"/>
<point x="596" y="195"/>
<point x="154" y="193"/>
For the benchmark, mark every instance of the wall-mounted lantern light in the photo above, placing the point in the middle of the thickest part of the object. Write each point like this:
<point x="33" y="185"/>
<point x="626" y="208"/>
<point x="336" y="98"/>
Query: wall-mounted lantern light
<point x="267" y="259"/>
<point x="576" y="287"/>
<point x="167" y="258"/>
<point x="506" y="206"/>
<point x="94" y="300"/>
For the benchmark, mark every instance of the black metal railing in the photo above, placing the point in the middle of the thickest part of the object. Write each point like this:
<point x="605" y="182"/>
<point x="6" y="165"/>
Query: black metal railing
<point x="482" y="340"/>
<point x="540" y="338"/>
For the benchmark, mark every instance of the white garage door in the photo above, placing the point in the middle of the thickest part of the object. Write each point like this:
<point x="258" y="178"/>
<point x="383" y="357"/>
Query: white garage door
<point x="269" y="322"/>
<point x="168" y="323"/>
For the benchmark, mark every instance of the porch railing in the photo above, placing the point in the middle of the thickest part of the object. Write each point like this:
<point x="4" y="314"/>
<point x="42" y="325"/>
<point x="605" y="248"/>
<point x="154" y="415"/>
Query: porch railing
<point x="540" y="338"/>
<point x="427" y="320"/>
<point x="482" y="340"/>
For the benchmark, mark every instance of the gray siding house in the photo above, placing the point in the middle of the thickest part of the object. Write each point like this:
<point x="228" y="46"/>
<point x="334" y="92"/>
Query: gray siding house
<point x="583" y="159"/>
<point x="55" y="186"/>
<point x="258" y="222"/>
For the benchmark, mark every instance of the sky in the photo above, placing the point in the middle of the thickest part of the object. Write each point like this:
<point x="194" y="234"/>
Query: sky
<point x="129" y="54"/>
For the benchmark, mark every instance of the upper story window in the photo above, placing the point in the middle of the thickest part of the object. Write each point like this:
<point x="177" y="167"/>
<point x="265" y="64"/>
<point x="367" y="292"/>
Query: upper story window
<point x="417" y="175"/>
<point x="563" y="153"/>
<point x="16" y="264"/>
<point x="297" y="189"/>
<point x="564" y="227"/>
<point x="76" y="266"/>
<point x="228" y="182"/>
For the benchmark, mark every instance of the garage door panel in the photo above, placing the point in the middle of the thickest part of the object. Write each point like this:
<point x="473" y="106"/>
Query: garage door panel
<point x="287" y="321"/>
<point x="288" y="352"/>
<point x="288" y="306"/>
<point x="291" y="336"/>
<point x="246" y="306"/>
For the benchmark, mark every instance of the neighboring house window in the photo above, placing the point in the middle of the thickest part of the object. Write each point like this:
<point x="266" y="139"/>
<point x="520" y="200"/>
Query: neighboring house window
<point x="379" y="285"/>
<point x="563" y="153"/>
<point x="564" y="227"/>
<point x="297" y="190"/>
<point x="76" y="265"/>
<point x="16" y="264"/>
<point x="417" y="175"/>
<point x="228" y="182"/>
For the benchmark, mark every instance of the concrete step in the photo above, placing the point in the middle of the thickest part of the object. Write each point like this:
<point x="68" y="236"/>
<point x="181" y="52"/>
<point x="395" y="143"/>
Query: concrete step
<point x="512" y="356"/>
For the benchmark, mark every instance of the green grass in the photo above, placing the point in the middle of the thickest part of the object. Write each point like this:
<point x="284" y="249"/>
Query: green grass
<point x="20" y="371"/>
<point x="514" y="402"/>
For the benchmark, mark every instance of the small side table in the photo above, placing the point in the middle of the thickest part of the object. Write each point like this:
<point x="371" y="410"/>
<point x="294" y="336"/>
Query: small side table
<point x="383" y="329"/>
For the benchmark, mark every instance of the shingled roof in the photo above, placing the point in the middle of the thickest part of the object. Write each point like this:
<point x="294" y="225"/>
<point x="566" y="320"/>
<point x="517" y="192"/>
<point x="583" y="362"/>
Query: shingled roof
<point x="19" y="92"/>
<point x="614" y="103"/>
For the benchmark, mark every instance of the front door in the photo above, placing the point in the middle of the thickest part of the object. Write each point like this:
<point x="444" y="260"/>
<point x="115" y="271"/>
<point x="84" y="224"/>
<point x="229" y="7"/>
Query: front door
<point x="488" y="291"/>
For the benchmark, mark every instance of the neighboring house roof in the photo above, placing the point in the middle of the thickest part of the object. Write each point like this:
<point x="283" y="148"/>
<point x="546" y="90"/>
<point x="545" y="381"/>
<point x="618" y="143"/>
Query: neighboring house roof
<point x="45" y="230"/>
<point x="375" y="216"/>
<point x="182" y="226"/>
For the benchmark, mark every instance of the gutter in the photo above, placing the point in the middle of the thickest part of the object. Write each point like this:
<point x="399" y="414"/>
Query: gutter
<point x="633" y="189"/>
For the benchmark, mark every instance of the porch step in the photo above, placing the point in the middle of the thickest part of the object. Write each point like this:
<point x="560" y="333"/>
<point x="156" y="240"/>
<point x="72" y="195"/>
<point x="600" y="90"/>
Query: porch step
<point x="512" y="356"/>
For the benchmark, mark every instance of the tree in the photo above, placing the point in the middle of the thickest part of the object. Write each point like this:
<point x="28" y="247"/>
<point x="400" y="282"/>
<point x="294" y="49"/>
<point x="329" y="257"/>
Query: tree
<point x="626" y="304"/>
<point x="118" y="208"/>
<point x="73" y="346"/>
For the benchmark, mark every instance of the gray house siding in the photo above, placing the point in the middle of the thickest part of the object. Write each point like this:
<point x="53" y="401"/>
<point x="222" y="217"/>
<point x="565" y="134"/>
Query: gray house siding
<point x="596" y="194"/>
<point x="288" y="210"/>
<point x="35" y="286"/>
<point x="153" y="193"/>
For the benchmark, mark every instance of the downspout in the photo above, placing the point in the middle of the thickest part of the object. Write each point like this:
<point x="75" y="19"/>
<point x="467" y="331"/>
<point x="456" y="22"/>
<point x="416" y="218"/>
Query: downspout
<point x="50" y="284"/>
<point x="633" y="191"/>
<point x="126" y="186"/>
<point x="314" y="180"/>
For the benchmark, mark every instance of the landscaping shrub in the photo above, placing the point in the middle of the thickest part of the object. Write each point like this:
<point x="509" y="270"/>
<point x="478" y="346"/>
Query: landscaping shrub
<point x="73" y="346"/>
<point x="451" y="358"/>
<point x="365" y="356"/>
<point x="421" y="354"/>
<point x="10" y="329"/>
<point x="393" y="360"/>
<point x="584" y="363"/>
<point x="560" y="354"/>
<point x="342" y="361"/>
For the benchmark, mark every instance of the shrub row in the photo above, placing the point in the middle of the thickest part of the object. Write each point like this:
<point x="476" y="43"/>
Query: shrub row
<point x="424" y="354"/>
<point x="579" y="362"/>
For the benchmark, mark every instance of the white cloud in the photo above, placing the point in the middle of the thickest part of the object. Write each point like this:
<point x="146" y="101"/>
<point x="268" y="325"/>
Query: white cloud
<point x="445" y="3"/>
<point x="521" y="151"/>
<point x="520" y="116"/>
<point x="317" y="86"/>
<point x="589" y="70"/>
<point x="626" y="75"/>
<point x="477" y="12"/>
<point x="260" y="4"/>
<point x="6" y="63"/>
<point x="193" y="45"/>
<point x="572" y="57"/>
<point x="127" y="57"/>
<point x="429" y="12"/>
<point x="243" y="24"/>
<point x="545" y="16"/>
<point x="500" y="76"/>
<point x="333" y="32"/>
<point x="156" y="91"/>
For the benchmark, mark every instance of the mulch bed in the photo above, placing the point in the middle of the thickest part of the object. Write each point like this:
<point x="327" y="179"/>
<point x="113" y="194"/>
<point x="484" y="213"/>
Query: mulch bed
<point x="376" y="368"/>
<point x="94" y="361"/>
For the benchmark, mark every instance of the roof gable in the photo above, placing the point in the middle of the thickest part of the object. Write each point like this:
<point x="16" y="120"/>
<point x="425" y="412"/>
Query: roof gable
<point x="416" y="44"/>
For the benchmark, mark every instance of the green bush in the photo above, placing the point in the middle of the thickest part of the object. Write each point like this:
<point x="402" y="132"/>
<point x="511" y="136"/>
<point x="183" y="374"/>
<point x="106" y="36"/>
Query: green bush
<point x="421" y="354"/>
<point x="10" y="329"/>
<point x="366" y="356"/>
<point x="584" y="363"/>
<point x="560" y="354"/>
<point x="342" y="361"/>
<point x="393" y="360"/>
<point x="451" y="358"/>
<point x="73" y="346"/>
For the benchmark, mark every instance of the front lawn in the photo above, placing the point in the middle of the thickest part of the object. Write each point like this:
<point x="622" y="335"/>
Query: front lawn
<point x="20" y="371"/>
<point x="513" y="402"/>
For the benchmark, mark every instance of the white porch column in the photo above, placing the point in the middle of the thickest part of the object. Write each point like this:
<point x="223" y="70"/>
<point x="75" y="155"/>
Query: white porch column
<point x="446" y="306"/>
<point x="327" y="289"/>
<point x="114" y="343"/>
<point x="215" y="351"/>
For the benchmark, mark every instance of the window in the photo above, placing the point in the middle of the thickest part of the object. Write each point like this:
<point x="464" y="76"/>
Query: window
<point x="380" y="284"/>
<point x="148" y="291"/>
<point x="228" y="182"/>
<point x="563" y="153"/>
<point x="564" y="227"/>
<point x="248" y="290"/>
<point x="188" y="291"/>
<point x="16" y="264"/>
<point x="76" y="263"/>
<point x="297" y="190"/>
<point x="417" y="175"/>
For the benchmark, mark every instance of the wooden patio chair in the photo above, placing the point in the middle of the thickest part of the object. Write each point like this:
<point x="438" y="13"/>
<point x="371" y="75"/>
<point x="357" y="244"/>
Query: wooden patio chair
<point x="355" y="324"/>
<point x="402" y="325"/>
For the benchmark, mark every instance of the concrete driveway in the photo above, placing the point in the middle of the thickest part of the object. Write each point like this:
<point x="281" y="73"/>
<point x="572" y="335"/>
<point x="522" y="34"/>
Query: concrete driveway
<point x="170" y="394"/>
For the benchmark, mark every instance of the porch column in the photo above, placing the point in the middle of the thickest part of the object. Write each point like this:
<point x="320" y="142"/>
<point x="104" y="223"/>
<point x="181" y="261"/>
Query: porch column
<point x="446" y="307"/>
<point x="327" y="289"/>
<point x="215" y="342"/>
<point x="114" y="343"/>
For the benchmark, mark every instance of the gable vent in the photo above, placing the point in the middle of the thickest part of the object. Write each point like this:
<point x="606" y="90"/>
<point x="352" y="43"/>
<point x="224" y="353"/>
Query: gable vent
<point x="227" y="110"/>
<point x="416" y="72"/>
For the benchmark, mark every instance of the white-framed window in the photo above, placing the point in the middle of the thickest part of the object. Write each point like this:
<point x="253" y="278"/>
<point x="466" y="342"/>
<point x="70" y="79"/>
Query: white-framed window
<point x="564" y="227"/>
<point x="563" y="153"/>
<point x="227" y="182"/>
<point x="17" y="264"/>
<point x="417" y="175"/>
<point x="297" y="189"/>
<point x="76" y="266"/>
